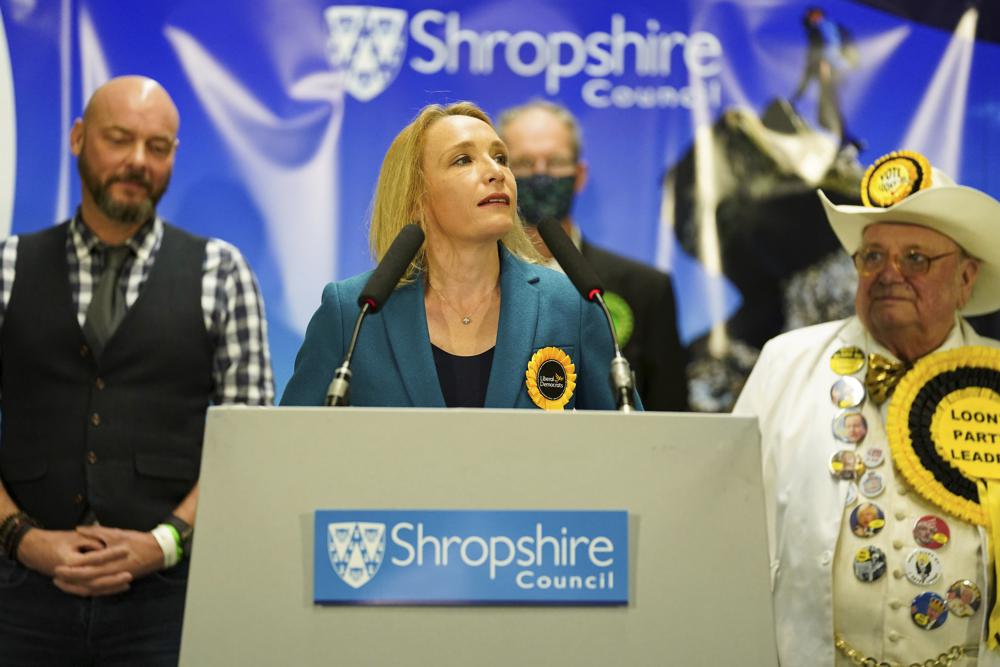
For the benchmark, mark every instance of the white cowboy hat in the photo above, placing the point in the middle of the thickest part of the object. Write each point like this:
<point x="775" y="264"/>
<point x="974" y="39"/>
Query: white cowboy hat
<point x="895" y="190"/>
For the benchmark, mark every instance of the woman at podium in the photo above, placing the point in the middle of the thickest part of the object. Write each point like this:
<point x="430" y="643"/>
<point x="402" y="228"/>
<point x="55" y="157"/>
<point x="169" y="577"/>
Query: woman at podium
<point x="475" y="321"/>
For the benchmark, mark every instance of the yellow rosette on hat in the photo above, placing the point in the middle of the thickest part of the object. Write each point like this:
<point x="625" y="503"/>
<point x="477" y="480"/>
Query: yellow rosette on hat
<point x="550" y="378"/>
<point x="903" y="187"/>
<point x="894" y="177"/>
<point x="944" y="432"/>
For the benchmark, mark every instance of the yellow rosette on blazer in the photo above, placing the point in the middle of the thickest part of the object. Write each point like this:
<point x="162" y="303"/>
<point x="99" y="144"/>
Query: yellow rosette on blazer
<point x="550" y="378"/>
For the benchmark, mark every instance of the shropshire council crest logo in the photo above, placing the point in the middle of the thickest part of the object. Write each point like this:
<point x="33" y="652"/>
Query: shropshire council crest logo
<point x="366" y="45"/>
<point x="356" y="550"/>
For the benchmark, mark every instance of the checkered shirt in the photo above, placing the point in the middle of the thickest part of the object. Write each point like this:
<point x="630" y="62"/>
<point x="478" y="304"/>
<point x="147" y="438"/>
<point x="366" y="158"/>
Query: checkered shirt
<point x="230" y="300"/>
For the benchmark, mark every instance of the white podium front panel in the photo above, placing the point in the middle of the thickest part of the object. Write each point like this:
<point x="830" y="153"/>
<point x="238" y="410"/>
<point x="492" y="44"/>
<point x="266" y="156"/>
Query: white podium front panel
<point x="697" y="543"/>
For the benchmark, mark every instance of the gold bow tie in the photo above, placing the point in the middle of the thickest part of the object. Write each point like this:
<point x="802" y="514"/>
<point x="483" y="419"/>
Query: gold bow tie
<point x="882" y="377"/>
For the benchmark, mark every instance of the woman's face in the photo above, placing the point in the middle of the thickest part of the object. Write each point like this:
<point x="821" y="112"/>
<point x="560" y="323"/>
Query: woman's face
<point x="471" y="195"/>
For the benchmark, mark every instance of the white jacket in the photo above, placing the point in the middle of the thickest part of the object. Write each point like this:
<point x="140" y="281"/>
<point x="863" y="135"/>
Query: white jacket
<point x="789" y="392"/>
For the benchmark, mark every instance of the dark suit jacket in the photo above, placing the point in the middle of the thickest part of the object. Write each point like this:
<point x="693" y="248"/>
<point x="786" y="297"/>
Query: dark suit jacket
<point x="654" y="350"/>
<point x="393" y="364"/>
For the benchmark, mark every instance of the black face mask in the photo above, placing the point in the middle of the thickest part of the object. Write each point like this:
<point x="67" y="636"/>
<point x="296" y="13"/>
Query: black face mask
<point x="542" y="197"/>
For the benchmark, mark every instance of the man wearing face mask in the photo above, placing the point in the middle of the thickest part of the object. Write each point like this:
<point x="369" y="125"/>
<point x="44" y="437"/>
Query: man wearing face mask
<point x="544" y="143"/>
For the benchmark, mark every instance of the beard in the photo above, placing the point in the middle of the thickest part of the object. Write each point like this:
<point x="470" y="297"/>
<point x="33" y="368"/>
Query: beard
<point x="125" y="213"/>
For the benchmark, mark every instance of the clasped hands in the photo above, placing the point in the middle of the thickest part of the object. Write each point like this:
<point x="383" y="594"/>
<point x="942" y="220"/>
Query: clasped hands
<point x="91" y="560"/>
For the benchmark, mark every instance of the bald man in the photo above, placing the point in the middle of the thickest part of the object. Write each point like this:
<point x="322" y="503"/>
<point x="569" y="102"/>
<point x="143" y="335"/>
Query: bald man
<point x="117" y="330"/>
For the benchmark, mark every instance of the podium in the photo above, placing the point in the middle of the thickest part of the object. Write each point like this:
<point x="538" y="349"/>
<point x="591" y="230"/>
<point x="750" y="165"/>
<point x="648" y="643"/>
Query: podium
<point x="698" y="568"/>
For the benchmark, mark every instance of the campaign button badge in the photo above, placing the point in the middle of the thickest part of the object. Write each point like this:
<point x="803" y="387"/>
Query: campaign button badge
<point x="931" y="531"/>
<point x="869" y="564"/>
<point x="928" y="611"/>
<point x="846" y="464"/>
<point x="867" y="519"/>
<point x="850" y="426"/>
<point x="872" y="484"/>
<point x="847" y="360"/>
<point x="922" y="567"/>
<point x="964" y="598"/>
<point x="621" y="315"/>
<point x="873" y="457"/>
<point x="847" y="392"/>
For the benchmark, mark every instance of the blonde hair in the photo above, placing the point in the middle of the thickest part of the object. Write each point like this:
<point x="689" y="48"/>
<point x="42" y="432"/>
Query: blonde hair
<point x="401" y="188"/>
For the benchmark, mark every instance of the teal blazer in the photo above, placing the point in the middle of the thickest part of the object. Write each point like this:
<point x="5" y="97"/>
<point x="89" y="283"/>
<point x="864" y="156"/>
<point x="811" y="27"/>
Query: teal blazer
<point x="393" y="364"/>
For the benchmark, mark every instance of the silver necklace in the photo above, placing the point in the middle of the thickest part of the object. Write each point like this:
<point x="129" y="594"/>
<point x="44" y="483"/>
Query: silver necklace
<point x="466" y="319"/>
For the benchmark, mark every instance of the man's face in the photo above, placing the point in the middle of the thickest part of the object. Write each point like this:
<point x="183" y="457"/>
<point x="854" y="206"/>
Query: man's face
<point x="895" y="307"/>
<point x="545" y="163"/>
<point x="854" y="428"/>
<point x="540" y="143"/>
<point x="125" y="149"/>
<point x="924" y="532"/>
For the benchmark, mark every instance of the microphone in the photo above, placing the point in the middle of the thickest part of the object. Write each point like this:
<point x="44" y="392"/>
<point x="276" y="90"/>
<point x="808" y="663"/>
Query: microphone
<point x="376" y="292"/>
<point x="590" y="287"/>
<point x="392" y="267"/>
<point x="571" y="260"/>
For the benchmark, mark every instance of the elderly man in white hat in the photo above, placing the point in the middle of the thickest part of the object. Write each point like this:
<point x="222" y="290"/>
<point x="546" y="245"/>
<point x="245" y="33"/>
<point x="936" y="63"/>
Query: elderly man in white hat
<point x="927" y="252"/>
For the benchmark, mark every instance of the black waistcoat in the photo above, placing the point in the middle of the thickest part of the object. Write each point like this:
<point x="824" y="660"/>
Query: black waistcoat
<point x="122" y="433"/>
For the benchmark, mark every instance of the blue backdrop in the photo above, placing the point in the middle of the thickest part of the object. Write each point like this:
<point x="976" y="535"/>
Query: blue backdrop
<point x="288" y="106"/>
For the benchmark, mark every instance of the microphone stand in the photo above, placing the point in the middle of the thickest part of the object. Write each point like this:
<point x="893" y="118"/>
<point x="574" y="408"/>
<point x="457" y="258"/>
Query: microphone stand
<point x="376" y="292"/>
<point x="339" y="391"/>
<point x="589" y="286"/>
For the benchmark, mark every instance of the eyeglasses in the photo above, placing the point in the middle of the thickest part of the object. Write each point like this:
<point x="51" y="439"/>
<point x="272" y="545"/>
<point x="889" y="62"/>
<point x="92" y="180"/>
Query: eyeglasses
<point x="911" y="263"/>
<point x="553" y="166"/>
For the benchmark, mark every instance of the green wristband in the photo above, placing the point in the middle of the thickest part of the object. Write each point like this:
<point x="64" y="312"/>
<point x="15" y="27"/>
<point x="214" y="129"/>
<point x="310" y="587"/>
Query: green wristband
<point x="177" y="541"/>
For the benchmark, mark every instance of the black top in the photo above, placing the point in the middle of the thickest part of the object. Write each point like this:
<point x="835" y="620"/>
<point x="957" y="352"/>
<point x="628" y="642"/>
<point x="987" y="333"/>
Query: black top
<point x="463" y="379"/>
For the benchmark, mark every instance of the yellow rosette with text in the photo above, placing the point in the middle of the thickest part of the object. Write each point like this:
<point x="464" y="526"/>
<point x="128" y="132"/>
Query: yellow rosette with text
<point x="944" y="433"/>
<point x="550" y="378"/>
